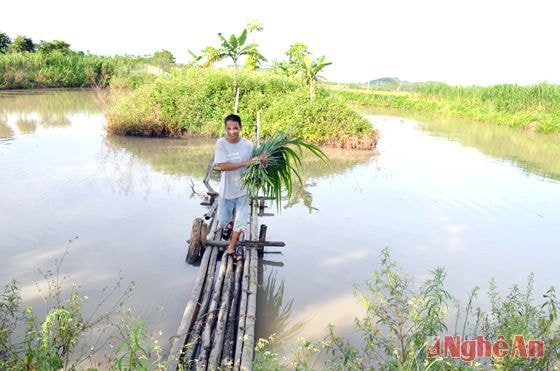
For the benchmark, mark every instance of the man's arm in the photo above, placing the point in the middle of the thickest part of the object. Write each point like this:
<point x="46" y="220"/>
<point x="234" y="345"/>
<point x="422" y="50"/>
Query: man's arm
<point x="229" y="166"/>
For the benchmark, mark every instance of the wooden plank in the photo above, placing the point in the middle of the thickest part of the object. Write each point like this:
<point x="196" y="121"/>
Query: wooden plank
<point x="242" y="312"/>
<point x="219" y="333"/>
<point x="189" y="313"/>
<point x="231" y="327"/>
<point x="211" y="318"/>
<point x="249" y="338"/>
<point x="194" y="336"/>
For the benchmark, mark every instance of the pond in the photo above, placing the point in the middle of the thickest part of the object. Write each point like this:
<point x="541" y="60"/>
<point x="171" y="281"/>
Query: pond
<point x="479" y="200"/>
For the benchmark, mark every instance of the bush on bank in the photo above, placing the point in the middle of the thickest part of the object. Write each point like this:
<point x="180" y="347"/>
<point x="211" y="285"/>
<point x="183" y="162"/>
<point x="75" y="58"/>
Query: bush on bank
<point x="193" y="102"/>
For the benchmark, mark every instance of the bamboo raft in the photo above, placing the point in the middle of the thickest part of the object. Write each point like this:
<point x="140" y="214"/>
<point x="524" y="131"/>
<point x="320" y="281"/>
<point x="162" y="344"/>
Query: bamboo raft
<point x="218" y="325"/>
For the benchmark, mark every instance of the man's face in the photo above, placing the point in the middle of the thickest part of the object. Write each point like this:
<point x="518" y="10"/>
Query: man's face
<point x="232" y="130"/>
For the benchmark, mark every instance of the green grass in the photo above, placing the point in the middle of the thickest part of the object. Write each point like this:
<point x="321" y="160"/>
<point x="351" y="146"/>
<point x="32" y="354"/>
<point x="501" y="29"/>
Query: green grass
<point x="533" y="108"/>
<point x="68" y="70"/>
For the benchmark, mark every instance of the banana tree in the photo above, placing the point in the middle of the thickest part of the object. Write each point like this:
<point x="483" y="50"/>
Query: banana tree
<point x="235" y="48"/>
<point x="310" y="72"/>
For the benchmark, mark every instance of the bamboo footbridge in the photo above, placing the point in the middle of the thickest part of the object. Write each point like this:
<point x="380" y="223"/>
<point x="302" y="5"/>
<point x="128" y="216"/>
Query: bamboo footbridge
<point x="218" y="325"/>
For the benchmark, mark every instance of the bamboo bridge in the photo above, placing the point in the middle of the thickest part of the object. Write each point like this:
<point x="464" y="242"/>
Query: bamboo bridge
<point x="218" y="325"/>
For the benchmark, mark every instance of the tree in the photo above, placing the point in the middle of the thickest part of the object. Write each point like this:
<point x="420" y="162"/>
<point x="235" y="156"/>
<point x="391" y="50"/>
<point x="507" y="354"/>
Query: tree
<point x="195" y="58"/>
<point x="5" y="42"/>
<point x="164" y="59"/>
<point x="311" y="71"/>
<point x="22" y="44"/>
<point x="300" y="63"/>
<point x="211" y="55"/>
<point x="253" y="60"/>
<point x="50" y="46"/>
<point x="235" y="48"/>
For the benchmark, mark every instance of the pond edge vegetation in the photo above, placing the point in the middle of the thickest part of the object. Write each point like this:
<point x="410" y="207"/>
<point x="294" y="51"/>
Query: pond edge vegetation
<point x="398" y="320"/>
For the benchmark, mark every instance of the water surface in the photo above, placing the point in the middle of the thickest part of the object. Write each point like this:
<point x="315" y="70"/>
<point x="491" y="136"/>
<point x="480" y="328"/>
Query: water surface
<point x="481" y="201"/>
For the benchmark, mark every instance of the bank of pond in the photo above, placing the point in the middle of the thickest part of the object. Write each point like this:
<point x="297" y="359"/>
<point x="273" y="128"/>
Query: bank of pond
<point x="534" y="108"/>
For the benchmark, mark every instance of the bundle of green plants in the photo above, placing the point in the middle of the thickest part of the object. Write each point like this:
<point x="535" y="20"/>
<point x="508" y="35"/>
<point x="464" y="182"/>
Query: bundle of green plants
<point x="284" y="165"/>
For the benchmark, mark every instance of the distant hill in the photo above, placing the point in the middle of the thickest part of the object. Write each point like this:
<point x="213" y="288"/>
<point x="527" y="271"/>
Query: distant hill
<point x="384" y="80"/>
<point x="391" y="83"/>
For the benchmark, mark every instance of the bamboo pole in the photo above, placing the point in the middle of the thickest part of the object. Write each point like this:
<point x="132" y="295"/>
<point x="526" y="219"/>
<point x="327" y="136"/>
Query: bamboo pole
<point x="249" y="338"/>
<point x="219" y="334"/>
<point x="189" y="314"/>
<point x="244" y="330"/>
<point x="229" y="343"/>
<point x="195" y="334"/>
<point x="211" y="318"/>
<point x="242" y="311"/>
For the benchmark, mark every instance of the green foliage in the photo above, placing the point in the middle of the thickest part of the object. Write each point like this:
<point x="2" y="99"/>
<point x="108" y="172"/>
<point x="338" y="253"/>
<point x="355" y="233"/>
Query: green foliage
<point x="5" y="42"/>
<point x="235" y="47"/>
<point x="398" y="320"/>
<point x="61" y="70"/>
<point x="9" y="307"/>
<point x="284" y="161"/>
<point x="326" y="120"/>
<point x="22" y="44"/>
<point x="164" y="59"/>
<point x="193" y="101"/>
<point x="50" y="46"/>
<point x="534" y="107"/>
<point x="300" y="63"/>
<point x="516" y="314"/>
<point x="29" y="343"/>
<point x="55" y="65"/>
<point x="133" y="353"/>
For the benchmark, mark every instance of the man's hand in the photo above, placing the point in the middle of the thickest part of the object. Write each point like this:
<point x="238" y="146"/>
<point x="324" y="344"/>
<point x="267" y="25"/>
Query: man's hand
<point x="264" y="160"/>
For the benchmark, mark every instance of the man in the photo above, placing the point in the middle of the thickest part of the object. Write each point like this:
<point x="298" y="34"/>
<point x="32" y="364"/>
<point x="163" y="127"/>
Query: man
<point x="233" y="154"/>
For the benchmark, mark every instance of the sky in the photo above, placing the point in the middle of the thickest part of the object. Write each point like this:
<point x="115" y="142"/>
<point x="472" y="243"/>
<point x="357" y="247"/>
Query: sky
<point x="459" y="42"/>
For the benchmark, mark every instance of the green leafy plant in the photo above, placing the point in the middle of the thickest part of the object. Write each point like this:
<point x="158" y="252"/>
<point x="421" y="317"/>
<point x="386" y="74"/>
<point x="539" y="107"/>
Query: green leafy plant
<point x="133" y="353"/>
<point x="284" y="163"/>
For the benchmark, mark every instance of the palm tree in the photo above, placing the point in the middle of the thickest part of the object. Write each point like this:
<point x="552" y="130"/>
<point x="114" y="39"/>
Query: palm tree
<point x="234" y="48"/>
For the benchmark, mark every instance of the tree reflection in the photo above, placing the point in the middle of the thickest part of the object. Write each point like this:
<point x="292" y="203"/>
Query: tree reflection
<point x="26" y="126"/>
<point x="5" y="130"/>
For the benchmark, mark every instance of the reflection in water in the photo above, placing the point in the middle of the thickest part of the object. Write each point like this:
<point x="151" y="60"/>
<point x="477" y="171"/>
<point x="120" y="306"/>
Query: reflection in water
<point x="533" y="152"/>
<point x="49" y="108"/>
<point x="5" y="130"/>
<point x="273" y="314"/>
<point x="54" y="119"/>
<point x="340" y="161"/>
<point x="26" y="126"/>
<point x="300" y="194"/>
<point x="48" y="102"/>
<point x="187" y="157"/>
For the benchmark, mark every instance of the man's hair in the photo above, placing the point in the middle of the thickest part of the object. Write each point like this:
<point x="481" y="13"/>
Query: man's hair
<point x="233" y="118"/>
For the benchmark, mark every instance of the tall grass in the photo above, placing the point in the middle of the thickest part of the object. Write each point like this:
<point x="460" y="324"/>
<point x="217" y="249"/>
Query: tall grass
<point x="508" y="98"/>
<point x="533" y="108"/>
<point x="62" y="70"/>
